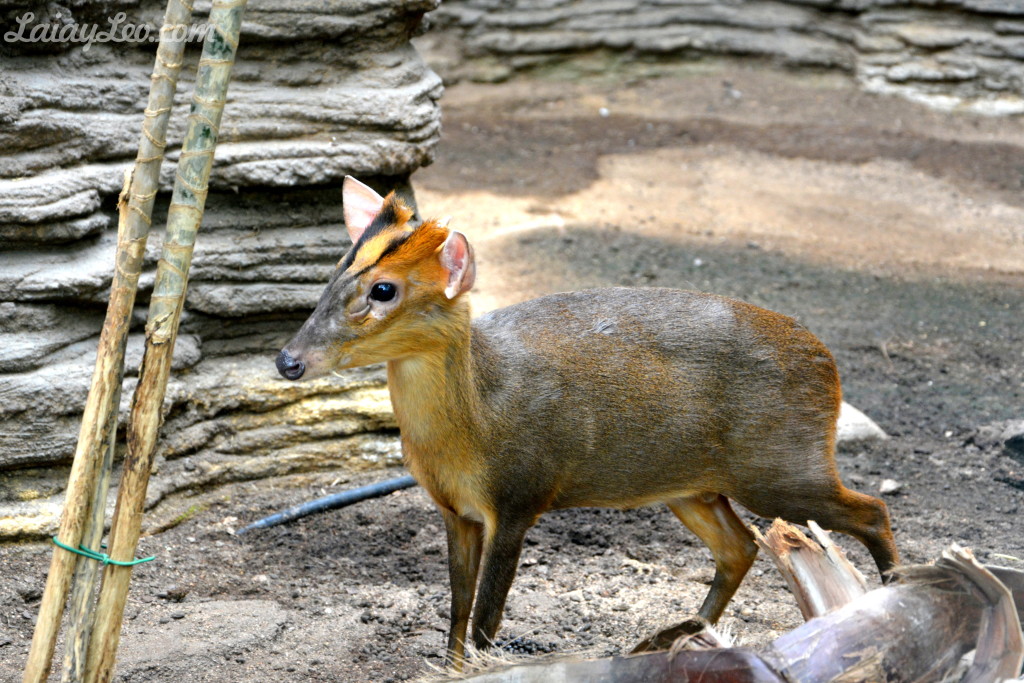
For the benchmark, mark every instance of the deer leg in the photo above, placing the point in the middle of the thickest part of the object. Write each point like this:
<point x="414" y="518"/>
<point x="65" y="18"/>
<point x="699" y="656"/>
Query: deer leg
<point x="836" y="508"/>
<point x="465" y="539"/>
<point x="712" y="519"/>
<point x="865" y="518"/>
<point x="502" y="546"/>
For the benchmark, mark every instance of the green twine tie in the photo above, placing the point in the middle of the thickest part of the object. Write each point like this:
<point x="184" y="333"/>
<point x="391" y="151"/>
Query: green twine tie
<point x="100" y="557"/>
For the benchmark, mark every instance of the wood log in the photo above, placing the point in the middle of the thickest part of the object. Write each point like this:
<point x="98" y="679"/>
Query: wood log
<point x="733" y="665"/>
<point x="819" y="576"/>
<point x="1000" y="648"/>
<point x="916" y="629"/>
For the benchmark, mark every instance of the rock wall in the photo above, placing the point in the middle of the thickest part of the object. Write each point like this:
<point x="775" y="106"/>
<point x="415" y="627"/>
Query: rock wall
<point x="953" y="54"/>
<point x="321" y="89"/>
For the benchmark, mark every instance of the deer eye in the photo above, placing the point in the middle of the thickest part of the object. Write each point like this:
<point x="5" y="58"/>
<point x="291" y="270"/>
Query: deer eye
<point x="383" y="291"/>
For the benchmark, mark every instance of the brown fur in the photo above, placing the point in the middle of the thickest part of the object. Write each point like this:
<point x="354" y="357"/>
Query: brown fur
<point x="611" y="397"/>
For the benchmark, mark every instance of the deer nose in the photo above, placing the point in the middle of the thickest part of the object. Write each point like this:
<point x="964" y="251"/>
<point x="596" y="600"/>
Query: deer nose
<point x="289" y="367"/>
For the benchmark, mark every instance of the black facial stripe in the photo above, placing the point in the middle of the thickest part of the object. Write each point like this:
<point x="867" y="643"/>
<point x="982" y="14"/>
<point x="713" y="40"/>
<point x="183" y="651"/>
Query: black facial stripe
<point x="390" y="249"/>
<point x="346" y="262"/>
<point x="356" y="276"/>
<point x="388" y="216"/>
<point x="393" y="246"/>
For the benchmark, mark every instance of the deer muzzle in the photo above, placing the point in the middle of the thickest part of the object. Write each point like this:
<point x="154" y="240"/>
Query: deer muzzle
<point x="289" y="367"/>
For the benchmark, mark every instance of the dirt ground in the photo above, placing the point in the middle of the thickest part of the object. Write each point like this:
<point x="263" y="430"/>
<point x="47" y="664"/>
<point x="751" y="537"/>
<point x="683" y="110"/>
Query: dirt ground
<point x="895" y="233"/>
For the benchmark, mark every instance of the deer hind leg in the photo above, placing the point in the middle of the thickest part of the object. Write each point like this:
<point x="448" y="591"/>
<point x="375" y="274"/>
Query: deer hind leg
<point x="712" y="519"/>
<point x="872" y="528"/>
<point x="865" y="518"/>
<point x="834" y="507"/>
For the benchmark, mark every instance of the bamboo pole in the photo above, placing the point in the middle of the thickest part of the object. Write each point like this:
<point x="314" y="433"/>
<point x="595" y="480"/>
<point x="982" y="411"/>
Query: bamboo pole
<point x="76" y="640"/>
<point x="183" y="219"/>
<point x="99" y="420"/>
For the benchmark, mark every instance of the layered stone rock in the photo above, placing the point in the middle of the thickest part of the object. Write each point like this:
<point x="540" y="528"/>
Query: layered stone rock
<point x="959" y="54"/>
<point x="320" y="90"/>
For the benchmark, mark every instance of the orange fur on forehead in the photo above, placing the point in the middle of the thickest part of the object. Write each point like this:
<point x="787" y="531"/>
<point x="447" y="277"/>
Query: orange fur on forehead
<point x="389" y="242"/>
<point x="400" y="249"/>
<point x="421" y="245"/>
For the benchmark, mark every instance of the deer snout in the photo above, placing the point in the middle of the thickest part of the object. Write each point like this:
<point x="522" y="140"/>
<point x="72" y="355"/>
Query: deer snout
<point x="289" y="367"/>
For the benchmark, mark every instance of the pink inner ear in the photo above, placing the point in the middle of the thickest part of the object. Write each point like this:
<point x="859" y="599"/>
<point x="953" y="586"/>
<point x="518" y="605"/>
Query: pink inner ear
<point x="457" y="259"/>
<point x="361" y="205"/>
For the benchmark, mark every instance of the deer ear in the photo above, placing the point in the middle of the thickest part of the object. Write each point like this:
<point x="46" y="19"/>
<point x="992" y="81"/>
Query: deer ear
<point x="457" y="259"/>
<point x="360" y="205"/>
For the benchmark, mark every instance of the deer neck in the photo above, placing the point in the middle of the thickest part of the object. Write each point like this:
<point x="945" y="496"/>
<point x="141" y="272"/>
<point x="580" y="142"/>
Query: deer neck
<point x="434" y="392"/>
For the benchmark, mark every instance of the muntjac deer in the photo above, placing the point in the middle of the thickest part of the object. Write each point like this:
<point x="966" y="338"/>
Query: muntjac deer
<point x="607" y="397"/>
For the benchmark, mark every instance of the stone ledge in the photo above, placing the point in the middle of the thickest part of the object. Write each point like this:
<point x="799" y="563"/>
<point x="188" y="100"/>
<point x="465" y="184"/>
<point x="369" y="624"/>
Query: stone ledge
<point x="964" y="54"/>
<point x="31" y="501"/>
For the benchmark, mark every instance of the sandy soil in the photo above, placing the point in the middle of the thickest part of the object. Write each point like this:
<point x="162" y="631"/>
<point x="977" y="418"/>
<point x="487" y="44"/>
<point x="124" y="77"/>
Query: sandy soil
<point x="893" y="232"/>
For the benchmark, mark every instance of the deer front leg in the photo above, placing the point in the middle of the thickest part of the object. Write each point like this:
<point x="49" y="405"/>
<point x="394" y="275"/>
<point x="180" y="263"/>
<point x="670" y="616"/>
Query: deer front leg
<point x="502" y="546"/>
<point x="465" y="539"/>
